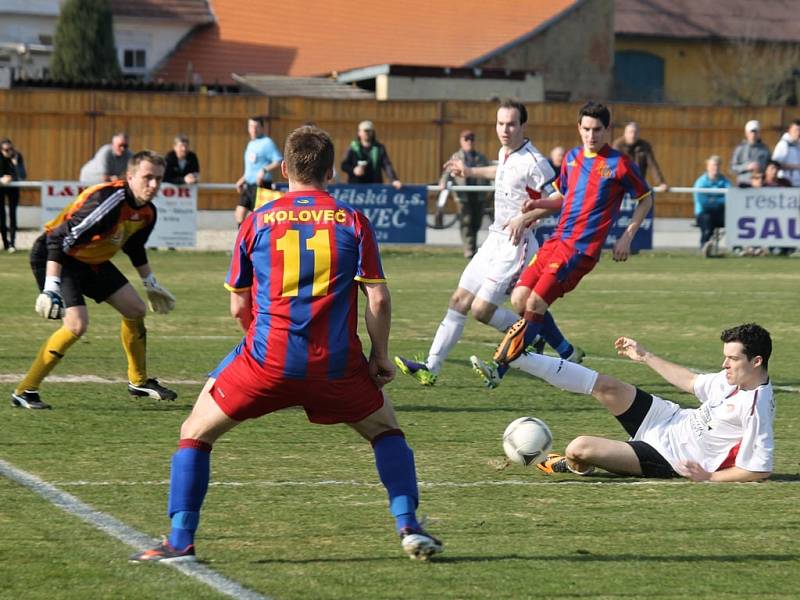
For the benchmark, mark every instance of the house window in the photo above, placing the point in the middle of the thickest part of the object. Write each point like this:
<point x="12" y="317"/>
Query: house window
<point x="638" y="76"/>
<point x="134" y="59"/>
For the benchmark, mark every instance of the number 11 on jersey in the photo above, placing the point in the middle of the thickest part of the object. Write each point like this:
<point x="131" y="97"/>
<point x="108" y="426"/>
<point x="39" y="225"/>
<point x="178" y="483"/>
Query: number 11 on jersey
<point x="320" y="248"/>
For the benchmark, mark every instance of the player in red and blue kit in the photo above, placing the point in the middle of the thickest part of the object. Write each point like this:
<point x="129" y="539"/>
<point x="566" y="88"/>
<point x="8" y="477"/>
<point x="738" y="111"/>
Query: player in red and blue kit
<point x="594" y="180"/>
<point x="297" y="267"/>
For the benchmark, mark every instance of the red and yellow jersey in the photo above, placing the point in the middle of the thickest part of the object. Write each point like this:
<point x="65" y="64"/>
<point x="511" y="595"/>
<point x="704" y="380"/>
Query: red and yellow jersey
<point x="102" y="220"/>
<point x="303" y="258"/>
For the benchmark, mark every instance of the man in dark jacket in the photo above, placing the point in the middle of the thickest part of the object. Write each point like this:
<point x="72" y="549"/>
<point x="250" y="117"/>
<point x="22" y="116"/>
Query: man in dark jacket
<point x="642" y="154"/>
<point x="751" y="155"/>
<point x="470" y="204"/>
<point x="366" y="158"/>
<point x="12" y="168"/>
<point x="182" y="164"/>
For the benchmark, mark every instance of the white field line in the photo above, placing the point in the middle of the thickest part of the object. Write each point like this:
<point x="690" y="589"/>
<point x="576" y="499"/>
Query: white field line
<point x="117" y="529"/>
<point x="150" y="335"/>
<point x="422" y="484"/>
<point x="16" y="377"/>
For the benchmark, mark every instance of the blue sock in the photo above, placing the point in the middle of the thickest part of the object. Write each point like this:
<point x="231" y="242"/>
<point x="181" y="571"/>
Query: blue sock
<point x="395" y="463"/>
<point x="191" y="469"/>
<point x="553" y="336"/>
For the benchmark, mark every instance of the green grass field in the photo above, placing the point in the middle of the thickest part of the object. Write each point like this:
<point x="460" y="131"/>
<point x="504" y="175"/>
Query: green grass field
<point x="295" y="511"/>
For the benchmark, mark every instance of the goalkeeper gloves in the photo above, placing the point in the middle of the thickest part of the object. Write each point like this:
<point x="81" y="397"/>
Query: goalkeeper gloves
<point x="50" y="303"/>
<point x="158" y="298"/>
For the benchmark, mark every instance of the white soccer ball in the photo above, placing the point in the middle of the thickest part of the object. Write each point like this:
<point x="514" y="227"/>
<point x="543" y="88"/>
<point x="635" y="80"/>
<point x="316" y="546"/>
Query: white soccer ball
<point x="527" y="440"/>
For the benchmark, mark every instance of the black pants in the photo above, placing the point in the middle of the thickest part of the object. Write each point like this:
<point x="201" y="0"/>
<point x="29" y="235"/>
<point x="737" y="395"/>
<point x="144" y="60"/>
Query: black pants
<point x="9" y="233"/>
<point x="709" y="220"/>
<point x="470" y="215"/>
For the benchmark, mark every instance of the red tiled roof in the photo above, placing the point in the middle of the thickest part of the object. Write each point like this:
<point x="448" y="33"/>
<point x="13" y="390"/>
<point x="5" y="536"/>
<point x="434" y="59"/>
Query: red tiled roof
<point x="314" y="37"/>
<point x="195" y="11"/>
<point x="775" y="20"/>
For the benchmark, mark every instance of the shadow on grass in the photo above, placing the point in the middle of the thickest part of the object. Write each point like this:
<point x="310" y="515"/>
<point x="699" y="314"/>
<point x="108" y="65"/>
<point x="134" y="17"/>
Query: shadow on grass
<point x="785" y="477"/>
<point x="600" y="476"/>
<point x="578" y="556"/>
<point x="489" y="408"/>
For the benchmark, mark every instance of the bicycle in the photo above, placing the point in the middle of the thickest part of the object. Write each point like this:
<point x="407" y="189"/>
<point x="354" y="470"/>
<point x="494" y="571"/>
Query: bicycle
<point x="442" y="219"/>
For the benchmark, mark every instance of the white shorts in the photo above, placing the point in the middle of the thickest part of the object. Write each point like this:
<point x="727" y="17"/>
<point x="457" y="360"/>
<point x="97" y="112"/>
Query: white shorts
<point x="661" y="411"/>
<point x="495" y="268"/>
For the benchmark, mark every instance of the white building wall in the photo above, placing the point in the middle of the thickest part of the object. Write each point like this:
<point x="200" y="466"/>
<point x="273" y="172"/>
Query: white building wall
<point x="157" y="37"/>
<point x="19" y="31"/>
<point x="25" y="22"/>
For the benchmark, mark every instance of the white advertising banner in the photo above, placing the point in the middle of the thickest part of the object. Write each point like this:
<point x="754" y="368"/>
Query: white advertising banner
<point x="176" y="226"/>
<point x="762" y="217"/>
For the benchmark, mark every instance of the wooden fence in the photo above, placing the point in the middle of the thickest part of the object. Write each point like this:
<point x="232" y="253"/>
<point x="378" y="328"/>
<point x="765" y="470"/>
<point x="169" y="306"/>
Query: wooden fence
<point x="58" y="130"/>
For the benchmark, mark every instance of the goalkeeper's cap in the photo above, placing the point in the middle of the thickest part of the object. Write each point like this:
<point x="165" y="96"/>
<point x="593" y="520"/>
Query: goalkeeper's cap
<point x="366" y="126"/>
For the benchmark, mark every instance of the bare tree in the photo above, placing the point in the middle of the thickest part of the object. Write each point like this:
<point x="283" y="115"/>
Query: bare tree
<point x="752" y="72"/>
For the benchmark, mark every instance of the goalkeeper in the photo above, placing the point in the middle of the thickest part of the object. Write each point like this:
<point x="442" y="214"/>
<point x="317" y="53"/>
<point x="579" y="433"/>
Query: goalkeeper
<point x="71" y="259"/>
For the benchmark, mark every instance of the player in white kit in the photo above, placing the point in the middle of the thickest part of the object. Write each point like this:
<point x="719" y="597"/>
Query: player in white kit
<point x="727" y="438"/>
<point x="522" y="172"/>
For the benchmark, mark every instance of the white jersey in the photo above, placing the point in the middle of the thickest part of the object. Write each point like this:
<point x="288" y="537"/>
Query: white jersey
<point x="728" y="417"/>
<point x="521" y="174"/>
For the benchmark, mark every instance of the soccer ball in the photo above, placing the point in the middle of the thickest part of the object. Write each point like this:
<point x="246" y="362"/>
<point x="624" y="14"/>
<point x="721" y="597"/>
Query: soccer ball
<point x="527" y="440"/>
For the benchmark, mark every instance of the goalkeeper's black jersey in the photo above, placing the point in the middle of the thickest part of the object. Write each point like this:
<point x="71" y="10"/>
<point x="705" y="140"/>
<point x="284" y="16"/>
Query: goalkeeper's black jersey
<point x="102" y="220"/>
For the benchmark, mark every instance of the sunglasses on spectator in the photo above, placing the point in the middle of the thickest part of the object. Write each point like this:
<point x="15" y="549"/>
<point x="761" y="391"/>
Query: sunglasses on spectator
<point x="469" y="138"/>
<point x="123" y="145"/>
<point x="6" y="148"/>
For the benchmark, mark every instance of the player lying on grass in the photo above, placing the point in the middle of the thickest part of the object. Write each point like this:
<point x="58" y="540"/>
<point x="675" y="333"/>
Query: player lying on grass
<point x="522" y="173"/>
<point x="593" y="181"/>
<point x="727" y="438"/>
<point x="297" y="267"/>
<point x="72" y="259"/>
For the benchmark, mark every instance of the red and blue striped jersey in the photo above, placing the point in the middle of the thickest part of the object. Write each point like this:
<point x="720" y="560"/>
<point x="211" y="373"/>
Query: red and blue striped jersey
<point x="593" y="186"/>
<point x="302" y="257"/>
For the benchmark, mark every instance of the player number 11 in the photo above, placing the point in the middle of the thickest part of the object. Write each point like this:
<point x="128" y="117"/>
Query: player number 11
<point x="319" y="245"/>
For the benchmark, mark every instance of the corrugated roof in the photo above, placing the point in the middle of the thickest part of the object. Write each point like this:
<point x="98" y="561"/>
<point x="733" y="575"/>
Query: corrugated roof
<point x="315" y="37"/>
<point x="312" y="87"/>
<point x="768" y="20"/>
<point x="192" y="11"/>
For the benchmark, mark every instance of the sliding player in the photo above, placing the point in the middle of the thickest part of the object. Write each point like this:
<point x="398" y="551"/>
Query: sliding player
<point x="728" y="437"/>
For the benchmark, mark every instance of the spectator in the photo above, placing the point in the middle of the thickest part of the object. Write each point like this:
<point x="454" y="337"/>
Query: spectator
<point x="641" y="152"/>
<point x="771" y="178"/>
<point x="470" y="204"/>
<point x="367" y="158"/>
<point x="109" y="163"/>
<point x="556" y="158"/>
<point x="758" y="180"/>
<point x="261" y="157"/>
<point x="750" y="155"/>
<point x="709" y="208"/>
<point x="12" y="168"/>
<point x="182" y="164"/>
<point x="787" y="153"/>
